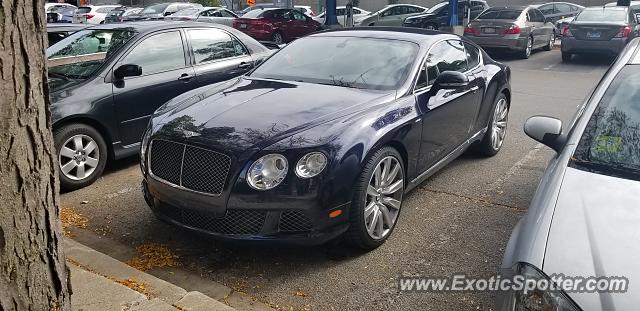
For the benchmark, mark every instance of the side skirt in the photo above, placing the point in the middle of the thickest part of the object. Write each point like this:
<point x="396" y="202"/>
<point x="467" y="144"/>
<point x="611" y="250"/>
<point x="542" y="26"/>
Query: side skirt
<point x="446" y="160"/>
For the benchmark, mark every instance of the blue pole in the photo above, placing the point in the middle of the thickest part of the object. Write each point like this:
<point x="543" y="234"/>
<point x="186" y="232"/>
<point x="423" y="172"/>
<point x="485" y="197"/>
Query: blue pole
<point x="331" y="18"/>
<point x="453" y="13"/>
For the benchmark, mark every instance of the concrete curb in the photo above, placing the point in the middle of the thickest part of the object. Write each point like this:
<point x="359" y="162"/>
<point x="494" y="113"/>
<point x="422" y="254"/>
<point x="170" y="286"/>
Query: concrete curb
<point x="164" y="294"/>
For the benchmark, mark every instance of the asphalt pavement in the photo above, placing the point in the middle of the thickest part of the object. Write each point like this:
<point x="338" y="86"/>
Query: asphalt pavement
<point x="458" y="221"/>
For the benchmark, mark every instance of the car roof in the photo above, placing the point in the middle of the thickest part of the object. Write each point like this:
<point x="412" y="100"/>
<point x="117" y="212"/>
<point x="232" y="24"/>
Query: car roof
<point x="605" y="7"/>
<point x="149" y="26"/>
<point x="416" y="35"/>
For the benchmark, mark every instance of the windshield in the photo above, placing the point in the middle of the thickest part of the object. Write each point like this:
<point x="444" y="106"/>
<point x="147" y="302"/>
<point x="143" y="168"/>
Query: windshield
<point x="500" y="14"/>
<point x="254" y="13"/>
<point x="155" y="9"/>
<point x="187" y="12"/>
<point x="602" y="15"/>
<point x="611" y="141"/>
<point x="342" y="61"/>
<point x="437" y="7"/>
<point x="115" y="13"/>
<point x="79" y="55"/>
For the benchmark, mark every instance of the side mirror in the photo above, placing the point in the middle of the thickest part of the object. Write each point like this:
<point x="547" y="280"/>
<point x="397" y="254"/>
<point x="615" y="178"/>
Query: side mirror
<point x="127" y="70"/>
<point x="546" y="130"/>
<point x="167" y="13"/>
<point x="450" y="80"/>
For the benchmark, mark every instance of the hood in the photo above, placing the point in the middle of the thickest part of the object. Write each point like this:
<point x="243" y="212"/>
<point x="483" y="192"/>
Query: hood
<point x="595" y="232"/>
<point x="256" y="113"/>
<point x="59" y="84"/>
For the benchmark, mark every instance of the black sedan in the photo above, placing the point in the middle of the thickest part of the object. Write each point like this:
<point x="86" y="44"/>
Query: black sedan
<point x="106" y="81"/>
<point x="325" y="137"/>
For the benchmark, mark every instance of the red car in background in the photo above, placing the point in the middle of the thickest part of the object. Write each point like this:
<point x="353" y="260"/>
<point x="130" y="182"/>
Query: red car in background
<point x="277" y="25"/>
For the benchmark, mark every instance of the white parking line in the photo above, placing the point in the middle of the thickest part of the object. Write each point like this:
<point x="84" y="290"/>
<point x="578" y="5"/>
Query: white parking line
<point x="513" y="169"/>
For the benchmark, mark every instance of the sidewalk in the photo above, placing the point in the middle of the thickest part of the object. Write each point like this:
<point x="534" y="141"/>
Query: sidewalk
<point x="100" y="282"/>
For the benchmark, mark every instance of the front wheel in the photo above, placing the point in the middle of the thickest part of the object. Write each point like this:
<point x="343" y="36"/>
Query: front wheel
<point x="277" y="37"/>
<point x="551" y="43"/>
<point x="82" y="155"/>
<point x="493" y="139"/>
<point x="377" y="199"/>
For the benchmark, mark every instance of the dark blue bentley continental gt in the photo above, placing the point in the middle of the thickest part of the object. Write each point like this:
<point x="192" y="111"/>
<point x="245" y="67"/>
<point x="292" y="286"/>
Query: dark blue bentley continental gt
<point x="325" y="137"/>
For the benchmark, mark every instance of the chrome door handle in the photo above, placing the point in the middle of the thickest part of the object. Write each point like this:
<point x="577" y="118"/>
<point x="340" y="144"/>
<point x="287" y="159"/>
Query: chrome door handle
<point x="185" y="77"/>
<point x="475" y="89"/>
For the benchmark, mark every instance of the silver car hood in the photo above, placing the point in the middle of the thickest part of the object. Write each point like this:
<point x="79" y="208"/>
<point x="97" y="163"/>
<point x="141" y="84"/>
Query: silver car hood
<point x="595" y="231"/>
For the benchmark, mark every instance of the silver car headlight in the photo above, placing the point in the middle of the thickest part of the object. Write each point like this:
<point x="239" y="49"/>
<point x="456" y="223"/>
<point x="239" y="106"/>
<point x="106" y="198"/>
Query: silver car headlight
<point x="311" y="164"/>
<point x="537" y="299"/>
<point x="267" y="172"/>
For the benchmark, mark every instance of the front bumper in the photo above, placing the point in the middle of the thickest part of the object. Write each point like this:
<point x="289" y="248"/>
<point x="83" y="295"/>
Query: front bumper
<point x="245" y="217"/>
<point x="515" y="43"/>
<point x="576" y="46"/>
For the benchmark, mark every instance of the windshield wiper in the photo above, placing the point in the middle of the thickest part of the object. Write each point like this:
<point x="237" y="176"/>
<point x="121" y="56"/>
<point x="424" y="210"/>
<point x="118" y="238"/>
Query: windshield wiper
<point x="60" y="76"/>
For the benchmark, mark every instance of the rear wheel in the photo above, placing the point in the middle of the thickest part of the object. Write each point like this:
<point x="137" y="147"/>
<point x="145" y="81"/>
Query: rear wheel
<point x="431" y="26"/>
<point x="566" y="56"/>
<point x="493" y="139"/>
<point x="277" y="38"/>
<point x="82" y="155"/>
<point x="377" y="200"/>
<point x="527" y="50"/>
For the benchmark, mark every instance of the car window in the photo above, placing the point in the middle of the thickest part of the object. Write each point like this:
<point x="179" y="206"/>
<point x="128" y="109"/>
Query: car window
<point x="213" y="44"/>
<point x="505" y="14"/>
<point x="602" y="15"/>
<point x="538" y="16"/>
<point x="104" y="10"/>
<point x="562" y="8"/>
<point x="158" y="53"/>
<point x="413" y="9"/>
<point x="473" y="55"/>
<point x="226" y="13"/>
<point x="340" y="12"/>
<point x="546" y="9"/>
<point x="356" y="11"/>
<point x="388" y="12"/>
<point x="447" y="56"/>
<point x="610" y="143"/>
<point x="83" y="9"/>
<point x="298" y="16"/>
<point x="574" y="8"/>
<point x="83" y="43"/>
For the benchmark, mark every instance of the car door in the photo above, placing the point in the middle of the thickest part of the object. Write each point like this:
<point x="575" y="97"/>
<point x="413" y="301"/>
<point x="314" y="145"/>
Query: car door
<point x="447" y="114"/>
<point x="388" y="17"/>
<point x="165" y="74"/>
<point x="217" y="55"/>
<point x="281" y="19"/>
<point x="301" y="23"/>
<point x="534" y="24"/>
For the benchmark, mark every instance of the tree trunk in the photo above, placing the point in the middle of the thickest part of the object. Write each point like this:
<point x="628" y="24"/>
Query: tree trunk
<point x="33" y="272"/>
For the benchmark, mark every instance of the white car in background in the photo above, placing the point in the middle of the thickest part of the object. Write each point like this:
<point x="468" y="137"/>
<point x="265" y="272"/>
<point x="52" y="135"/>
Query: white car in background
<point x="305" y="9"/>
<point x="48" y="7"/>
<point x="93" y="14"/>
<point x="341" y="13"/>
<point x="216" y="15"/>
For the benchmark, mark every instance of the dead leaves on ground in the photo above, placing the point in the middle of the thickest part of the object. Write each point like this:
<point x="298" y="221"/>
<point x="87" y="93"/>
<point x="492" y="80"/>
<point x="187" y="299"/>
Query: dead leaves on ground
<point x="153" y="255"/>
<point x="71" y="218"/>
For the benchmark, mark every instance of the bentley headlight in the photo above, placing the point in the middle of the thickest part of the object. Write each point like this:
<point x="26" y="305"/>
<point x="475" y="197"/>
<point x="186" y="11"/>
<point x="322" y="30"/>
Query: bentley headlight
<point x="311" y="164"/>
<point x="267" y="172"/>
<point x="143" y="148"/>
<point x="544" y="296"/>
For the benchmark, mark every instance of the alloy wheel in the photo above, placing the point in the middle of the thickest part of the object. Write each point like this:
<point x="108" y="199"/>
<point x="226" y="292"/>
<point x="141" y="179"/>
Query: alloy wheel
<point x="384" y="198"/>
<point x="79" y="156"/>
<point x="277" y="38"/>
<point x="499" y="126"/>
<point x="529" y="47"/>
<point x="552" y="42"/>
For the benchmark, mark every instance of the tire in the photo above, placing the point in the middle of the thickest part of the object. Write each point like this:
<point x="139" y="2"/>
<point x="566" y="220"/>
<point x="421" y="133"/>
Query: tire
<point x="486" y="147"/>
<point x="566" y="57"/>
<point x="92" y="161"/>
<point x="377" y="203"/>
<point x="551" y="43"/>
<point x="524" y="54"/>
<point x="431" y="26"/>
<point x="277" y="37"/>
<point x="372" y="24"/>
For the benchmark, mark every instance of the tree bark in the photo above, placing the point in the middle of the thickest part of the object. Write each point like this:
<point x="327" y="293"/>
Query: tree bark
<point x="33" y="272"/>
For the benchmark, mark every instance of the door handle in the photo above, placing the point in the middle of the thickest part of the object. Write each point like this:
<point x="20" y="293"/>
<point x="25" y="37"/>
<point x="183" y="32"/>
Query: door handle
<point x="245" y="65"/>
<point x="475" y="89"/>
<point x="185" y="77"/>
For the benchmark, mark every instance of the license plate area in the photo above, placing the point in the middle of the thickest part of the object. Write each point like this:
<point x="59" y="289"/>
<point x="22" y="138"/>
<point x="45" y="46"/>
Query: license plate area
<point x="243" y="26"/>
<point x="488" y="30"/>
<point x="593" y="34"/>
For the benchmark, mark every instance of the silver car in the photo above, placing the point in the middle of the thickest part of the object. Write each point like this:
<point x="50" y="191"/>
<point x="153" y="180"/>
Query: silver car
<point x="216" y="15"/>
<point x="341" y="14"/>
<point x="599" y="30"/>
<point x="390" y="15"/>
<point x="584" y="218"/>
<point x="520" y="29"/>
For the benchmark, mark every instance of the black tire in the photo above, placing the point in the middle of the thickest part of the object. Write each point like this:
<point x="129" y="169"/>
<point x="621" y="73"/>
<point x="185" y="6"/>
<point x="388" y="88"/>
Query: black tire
<point x="551" y="43"/>
<point x="357" y="234"/>
<point x="431" y="26"/>
<point x="277" y="37"/>
<point x="524" y="54"/>
<point x="566" y="57"/>
<point x="62" y="135"/>
<point x="485" y="147"/>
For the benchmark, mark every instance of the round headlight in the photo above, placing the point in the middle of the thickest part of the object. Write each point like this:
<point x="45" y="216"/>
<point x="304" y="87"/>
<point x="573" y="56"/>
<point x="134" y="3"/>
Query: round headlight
<point x="267" y="172"/>
<point x="311" y="164"/>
